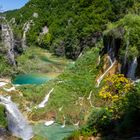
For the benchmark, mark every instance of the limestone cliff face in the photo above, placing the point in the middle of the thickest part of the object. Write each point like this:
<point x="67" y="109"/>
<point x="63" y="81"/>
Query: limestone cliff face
<point x="114" y="62"/>
<point x="8" y="41"/>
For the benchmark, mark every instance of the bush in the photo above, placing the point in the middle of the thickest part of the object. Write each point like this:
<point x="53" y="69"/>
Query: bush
<point x="128" y="112"/>
<point x="115" y="86"/>
<point x="99" y="120"/>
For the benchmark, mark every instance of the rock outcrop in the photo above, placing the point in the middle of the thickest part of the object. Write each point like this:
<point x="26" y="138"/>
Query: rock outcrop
<point x="8" y="41"/>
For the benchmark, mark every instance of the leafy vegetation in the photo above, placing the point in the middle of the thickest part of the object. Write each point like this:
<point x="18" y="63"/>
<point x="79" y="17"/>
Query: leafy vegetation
<point x="75" y="26"/>
<point x="128" y="30"/>
<point x="118" y="117"/>
<point x="3" y="121"/>
<point x="71" y="30"/>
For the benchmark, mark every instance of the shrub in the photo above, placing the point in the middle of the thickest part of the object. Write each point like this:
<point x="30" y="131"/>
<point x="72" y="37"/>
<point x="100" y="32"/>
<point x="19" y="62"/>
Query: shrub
<point x="115" y="86"/>
<point x="99" y="120"/>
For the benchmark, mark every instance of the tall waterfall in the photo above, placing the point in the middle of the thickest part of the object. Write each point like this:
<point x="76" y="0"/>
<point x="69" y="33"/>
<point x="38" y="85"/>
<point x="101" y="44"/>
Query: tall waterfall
<point x="25" y="30"/>
<point x="132" y="69"/>
<point x="111" y="50"/>
<point x="17" y="124"/>
<point x="8" y="40"/>
<point x="126" y="53"/>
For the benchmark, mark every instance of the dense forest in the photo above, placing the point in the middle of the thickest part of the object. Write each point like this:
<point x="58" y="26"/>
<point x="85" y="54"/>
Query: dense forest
<point x="98" y="83"/>
<point x="73" y="25"/>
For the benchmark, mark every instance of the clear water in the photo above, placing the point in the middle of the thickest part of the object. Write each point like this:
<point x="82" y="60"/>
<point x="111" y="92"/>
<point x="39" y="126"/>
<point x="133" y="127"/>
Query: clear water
<point x="53" y="132"/>
<point x="30" y="79"/>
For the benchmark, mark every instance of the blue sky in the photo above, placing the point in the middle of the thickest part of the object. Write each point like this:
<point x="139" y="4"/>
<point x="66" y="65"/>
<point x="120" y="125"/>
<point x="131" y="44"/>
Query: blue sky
<point x="12" y="4"/>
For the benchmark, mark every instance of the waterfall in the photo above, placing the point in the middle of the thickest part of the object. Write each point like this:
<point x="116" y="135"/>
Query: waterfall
<point x="89" y="97"/>
<point x="64" y="122"/>
<point x="44" y="102"/>
<point x="2" y="84"/>
<point x="17" y="124"/>
<point x="26" y="28"/>
<point x="110" y="60"/>
<point x="77" y="124"/>
<point x="60" y="109"/>
<point x="102" y="76"/>
<point x="132" y="69"/>
<point x="111" y="50"/>
<point x="126" y="52"/>
<point x="8" y="40"/>
<point x="10" y="89"/>
<point x="48" y="123"/>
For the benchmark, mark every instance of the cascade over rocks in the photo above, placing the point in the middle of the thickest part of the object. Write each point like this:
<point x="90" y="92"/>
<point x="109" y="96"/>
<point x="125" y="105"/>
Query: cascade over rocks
<point x="121" y="43"/>
<point x="17" y="124"/>
<point x="112" y="47"/>
<point x="26" y="28"/>
<point x="111" y="63"/>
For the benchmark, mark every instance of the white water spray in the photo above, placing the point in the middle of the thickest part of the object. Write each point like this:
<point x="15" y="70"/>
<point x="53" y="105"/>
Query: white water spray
<point x="26" y="28"/>
<point x="44" y="102"/>
<point x="10" y="89"/>
<point x="132" y="69"/>
<point x="64" y="123"/>
<point x="102" y="76"/>
<point x="48" y="123"/>
<point x="17" y="124"/>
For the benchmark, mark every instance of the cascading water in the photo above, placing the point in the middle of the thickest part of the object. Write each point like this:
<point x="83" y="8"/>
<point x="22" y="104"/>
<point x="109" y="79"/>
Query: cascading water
<point x="17" y="124"/>
<point x="8" y="40"/>
<point x="102" y="76"/>
<point x="44" y="102"/>
<point x="132" y="69"/>
<point x="25" y="30"/>
<point x="126" y="53"/>
<point x="99" y="60"/>
<point x="111" y="50"/>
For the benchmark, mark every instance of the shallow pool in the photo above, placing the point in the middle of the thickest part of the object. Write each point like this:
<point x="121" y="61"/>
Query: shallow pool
<point x="53" y="132"/>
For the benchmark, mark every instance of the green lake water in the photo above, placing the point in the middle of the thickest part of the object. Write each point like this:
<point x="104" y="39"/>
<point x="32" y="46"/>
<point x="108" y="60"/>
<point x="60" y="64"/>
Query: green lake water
<point x="30" y="79"/>
<point x="53" y="132"/>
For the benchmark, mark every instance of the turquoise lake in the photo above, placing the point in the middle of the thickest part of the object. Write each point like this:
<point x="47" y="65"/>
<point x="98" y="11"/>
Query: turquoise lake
<point x="30" y="79"/>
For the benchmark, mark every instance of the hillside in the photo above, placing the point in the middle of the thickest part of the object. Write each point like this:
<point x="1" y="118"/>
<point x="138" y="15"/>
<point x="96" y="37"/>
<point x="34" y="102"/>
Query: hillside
<point x="73" y="25"/>
<point x="75" y="62"/>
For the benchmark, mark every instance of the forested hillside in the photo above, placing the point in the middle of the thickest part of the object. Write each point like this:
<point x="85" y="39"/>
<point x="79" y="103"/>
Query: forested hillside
<point x="73" y="25"/>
